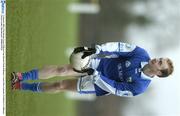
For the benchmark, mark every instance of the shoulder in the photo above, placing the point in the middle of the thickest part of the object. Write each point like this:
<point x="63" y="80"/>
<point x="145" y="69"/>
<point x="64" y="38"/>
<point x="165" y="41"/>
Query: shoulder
<point x="141" y="86"/>
<point x="140" y="49"/>
<point x="141" y="52"/>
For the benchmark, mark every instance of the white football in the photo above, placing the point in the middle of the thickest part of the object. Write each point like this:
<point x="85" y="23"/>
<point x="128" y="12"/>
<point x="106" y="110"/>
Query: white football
<point x="77" y="62"/>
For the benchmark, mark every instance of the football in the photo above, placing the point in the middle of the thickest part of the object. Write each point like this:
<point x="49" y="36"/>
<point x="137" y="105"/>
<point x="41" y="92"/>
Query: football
<point x="77" y="62"/>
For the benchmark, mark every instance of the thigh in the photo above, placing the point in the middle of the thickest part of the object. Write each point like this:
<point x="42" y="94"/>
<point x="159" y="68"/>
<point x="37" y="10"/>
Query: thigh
<point x="71" y="72"/>
<point x="60" y="86"/>
<point x="67" y="70"/>
<point x="69" y="85"/>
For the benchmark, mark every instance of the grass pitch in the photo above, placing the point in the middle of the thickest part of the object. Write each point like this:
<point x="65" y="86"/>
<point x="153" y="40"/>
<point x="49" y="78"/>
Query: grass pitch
<point x="38" y="32"/>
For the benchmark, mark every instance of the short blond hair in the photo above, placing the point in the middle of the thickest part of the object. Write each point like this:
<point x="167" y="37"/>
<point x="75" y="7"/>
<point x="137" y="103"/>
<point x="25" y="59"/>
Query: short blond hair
<point x="169" y="70"/>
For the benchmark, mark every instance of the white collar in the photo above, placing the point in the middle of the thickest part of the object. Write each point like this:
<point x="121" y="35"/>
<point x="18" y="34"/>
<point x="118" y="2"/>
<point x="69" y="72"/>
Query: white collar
<point x="144" y="76"/>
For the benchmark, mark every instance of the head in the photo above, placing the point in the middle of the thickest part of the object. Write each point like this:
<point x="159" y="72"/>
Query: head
<point x="161" y="67"/>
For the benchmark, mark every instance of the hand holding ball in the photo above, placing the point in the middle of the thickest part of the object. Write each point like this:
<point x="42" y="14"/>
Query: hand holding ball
<point x="80" y="59"/>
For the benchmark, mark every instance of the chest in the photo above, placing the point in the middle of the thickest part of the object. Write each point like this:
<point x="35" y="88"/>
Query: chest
<point x="123" y="69"/>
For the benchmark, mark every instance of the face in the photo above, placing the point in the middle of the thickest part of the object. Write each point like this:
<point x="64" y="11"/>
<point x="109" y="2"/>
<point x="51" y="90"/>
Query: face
<point x="158" y="64"/>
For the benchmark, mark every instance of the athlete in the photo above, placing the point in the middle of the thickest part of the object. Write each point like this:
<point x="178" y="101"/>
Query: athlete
<point x="128" y="72"/>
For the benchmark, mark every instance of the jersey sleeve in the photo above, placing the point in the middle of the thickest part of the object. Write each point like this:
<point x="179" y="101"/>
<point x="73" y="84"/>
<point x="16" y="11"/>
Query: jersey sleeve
<point x="115" y="48"/>
<point x="120" y="88"/>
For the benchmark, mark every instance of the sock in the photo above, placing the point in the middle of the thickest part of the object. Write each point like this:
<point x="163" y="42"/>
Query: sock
<point x="30" y="75"/>
<point x="35" y="87"/>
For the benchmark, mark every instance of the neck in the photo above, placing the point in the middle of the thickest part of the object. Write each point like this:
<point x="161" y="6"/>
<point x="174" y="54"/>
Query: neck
<point x="147" y="71"/>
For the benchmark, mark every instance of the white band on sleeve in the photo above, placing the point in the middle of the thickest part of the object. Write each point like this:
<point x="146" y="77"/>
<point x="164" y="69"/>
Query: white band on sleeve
<point x="115" y="47"/>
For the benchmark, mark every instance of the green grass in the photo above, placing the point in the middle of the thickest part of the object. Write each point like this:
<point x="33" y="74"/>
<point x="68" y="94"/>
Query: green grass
<point x="38" y="32"/>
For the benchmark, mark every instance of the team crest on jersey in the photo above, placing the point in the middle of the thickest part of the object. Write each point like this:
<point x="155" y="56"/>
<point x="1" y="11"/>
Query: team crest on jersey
<point x="127" y="63"/>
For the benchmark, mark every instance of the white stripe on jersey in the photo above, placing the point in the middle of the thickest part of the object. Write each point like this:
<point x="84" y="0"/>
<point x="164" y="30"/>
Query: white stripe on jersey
<point x="115" y="47"/>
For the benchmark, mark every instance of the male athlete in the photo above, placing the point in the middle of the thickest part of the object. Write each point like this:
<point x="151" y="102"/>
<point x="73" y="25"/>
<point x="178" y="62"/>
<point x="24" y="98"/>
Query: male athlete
<point x="128" y="73"/>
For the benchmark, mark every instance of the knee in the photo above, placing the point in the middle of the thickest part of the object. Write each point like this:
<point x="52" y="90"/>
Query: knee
<point x="62" y="70"/>
<point x="62" y="85"/>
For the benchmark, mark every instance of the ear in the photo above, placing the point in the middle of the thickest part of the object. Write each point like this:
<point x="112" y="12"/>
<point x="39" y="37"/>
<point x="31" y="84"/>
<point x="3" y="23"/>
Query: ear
<point x="159" y="73"/>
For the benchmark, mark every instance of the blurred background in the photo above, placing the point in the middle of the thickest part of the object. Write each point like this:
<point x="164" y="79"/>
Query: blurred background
<point x="43" y="32"/>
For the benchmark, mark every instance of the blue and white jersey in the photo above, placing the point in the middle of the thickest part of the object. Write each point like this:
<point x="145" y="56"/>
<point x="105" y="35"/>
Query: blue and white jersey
<point x="121" y="74"/>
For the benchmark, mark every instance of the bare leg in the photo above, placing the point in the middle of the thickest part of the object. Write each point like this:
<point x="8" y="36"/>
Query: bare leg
<point x="52" y="71"/>
<point x="64" y="85"/>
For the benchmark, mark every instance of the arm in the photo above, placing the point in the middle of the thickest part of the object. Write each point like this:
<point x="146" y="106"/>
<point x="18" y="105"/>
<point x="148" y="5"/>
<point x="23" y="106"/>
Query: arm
<point x="115" y="48"/>
<point x="108" y="50"/>
<point x="119" y="88"/>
